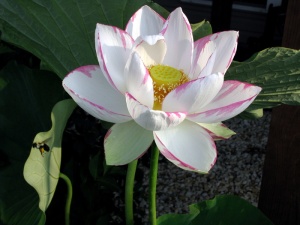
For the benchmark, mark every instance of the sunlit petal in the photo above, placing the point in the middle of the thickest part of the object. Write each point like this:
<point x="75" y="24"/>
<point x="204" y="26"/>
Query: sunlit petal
<point x="138" y="81"/>
<point x="99" y="99"/>
<point x="225" y="48"/>
<point x="113" y="47"/>
<point x="125" y="142"/>
<point x="152" y="119"/>
<point x="203" y="51"/>
<point x="188" y="146"/>
<point x="179" y="39"/>
<point x="144" y="22"/>
<point x="194" y="95"/>
<point x="233" y="98"/>
<point x="151" y="49"/>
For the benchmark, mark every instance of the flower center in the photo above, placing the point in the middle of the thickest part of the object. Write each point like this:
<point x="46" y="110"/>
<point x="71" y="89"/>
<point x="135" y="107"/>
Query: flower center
<point x="165" y="79"/>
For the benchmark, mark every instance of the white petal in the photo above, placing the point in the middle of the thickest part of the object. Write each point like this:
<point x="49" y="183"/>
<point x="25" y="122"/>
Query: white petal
<point x="152" y="119"/>
<point x="125" y="142"/>
<point x="151" y="49"/>
<point x="188" y="146"/>
<point x="144" y="22"/>
<point x="192" y="96"/>
<point x="218" y="131"/>
<point x="203" y="51"/>
<point x="113" y="47"/>
<point x="233" y="98"/>
<point x="220" y="60"/>
<point x="91" y="91"/>
<point x="179" y="39"/>
<point x="138" y="81"/>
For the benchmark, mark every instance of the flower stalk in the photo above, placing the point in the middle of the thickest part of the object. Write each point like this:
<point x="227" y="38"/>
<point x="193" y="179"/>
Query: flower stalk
<point x="152" y="184"/>
<point x="69" y="197"/>
<point x="129" y="186"/>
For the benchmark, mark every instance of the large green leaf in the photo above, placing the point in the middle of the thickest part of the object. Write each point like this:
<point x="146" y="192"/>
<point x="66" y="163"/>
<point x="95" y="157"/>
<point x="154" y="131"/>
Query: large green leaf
<point x="61" y="32"/>
<point x="276" y="70"/>
<point x="18" y="201"/>
<point x="222" y="210"/>
<point x="25" y="105"/>
<point x="42" y="168"/>
<point x="201" y="29"/>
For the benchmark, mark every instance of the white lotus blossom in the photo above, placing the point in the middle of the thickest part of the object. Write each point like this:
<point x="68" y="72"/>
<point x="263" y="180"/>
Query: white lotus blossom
<point x="155" y="83"/>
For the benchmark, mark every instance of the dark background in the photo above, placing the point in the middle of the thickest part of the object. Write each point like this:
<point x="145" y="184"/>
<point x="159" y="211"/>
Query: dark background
<point x="260" y="25"/>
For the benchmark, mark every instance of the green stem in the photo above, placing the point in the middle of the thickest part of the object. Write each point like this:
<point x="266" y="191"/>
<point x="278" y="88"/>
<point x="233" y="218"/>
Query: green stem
<point x="129" y="192"/>
<point x="69" y="197"/>
<point x="152" y="184"/>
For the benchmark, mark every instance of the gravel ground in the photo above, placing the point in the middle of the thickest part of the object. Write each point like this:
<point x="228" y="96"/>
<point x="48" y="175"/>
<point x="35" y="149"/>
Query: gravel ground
<point x="237" y="171"/>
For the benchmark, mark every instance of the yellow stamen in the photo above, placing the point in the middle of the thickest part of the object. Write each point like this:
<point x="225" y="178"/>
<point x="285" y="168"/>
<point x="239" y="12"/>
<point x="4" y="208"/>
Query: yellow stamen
<point x="165" y="79"/>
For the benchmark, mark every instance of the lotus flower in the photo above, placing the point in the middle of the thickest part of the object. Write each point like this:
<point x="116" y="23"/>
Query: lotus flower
<point x="155" y="83"/>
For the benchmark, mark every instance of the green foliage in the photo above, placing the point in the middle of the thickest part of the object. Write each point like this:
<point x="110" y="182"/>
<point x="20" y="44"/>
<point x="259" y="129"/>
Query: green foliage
<point x="201" y="29"/>
<point x="61" y="32"/>
<point x="222" y="210"/>
<point x="25" y="105"/>
<point x="103" y="174"/>
<point x="42" y="169"/>
<point x="276" y="70"/>
<point x="3" y="83"/>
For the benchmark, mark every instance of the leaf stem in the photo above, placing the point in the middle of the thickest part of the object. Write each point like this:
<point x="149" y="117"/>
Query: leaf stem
<point x="69" y="197"/>
<point x="152" y="184"/>
<point x="129" y="192"/>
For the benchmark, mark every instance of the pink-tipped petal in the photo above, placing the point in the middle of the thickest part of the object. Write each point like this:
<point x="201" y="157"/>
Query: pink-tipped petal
<point x="218" y="131"/>
<point x="152" y="119"/>
<point x="125" y="142"/>
<point x="220" y="60"/>
<point x="188" y="146"/>
<point x="151" y="49"/>
<point x="233" y="98"/>
<point x="203" y="51"/>
<point x="91" y="91"/>
<point x="179" y="39"/>
<point x="138" y="81"/>
<point x="113" y="47"/>
<point x="144" y="22"/>
<point x="192" y="96"/>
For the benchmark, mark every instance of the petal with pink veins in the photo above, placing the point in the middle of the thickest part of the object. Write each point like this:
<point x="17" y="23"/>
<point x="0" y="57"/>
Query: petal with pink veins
<point x="188" y="146"/>
<point x="125" y="142"/>
<point x="203" y="51"/>
<point x="144" y="22"/>
<point x="193" y="95"/>
<point x="152" y="119"/>
<point x="113" y="48"/>
<point x="220" y="60"/>
<point x="151" y="49"/>
<point x="138" y="81"/>
<point x="91" y="91"/>
<point x="233" y="98"/>
<point x="218" y="131"/>
<point x="179" y="39"/>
